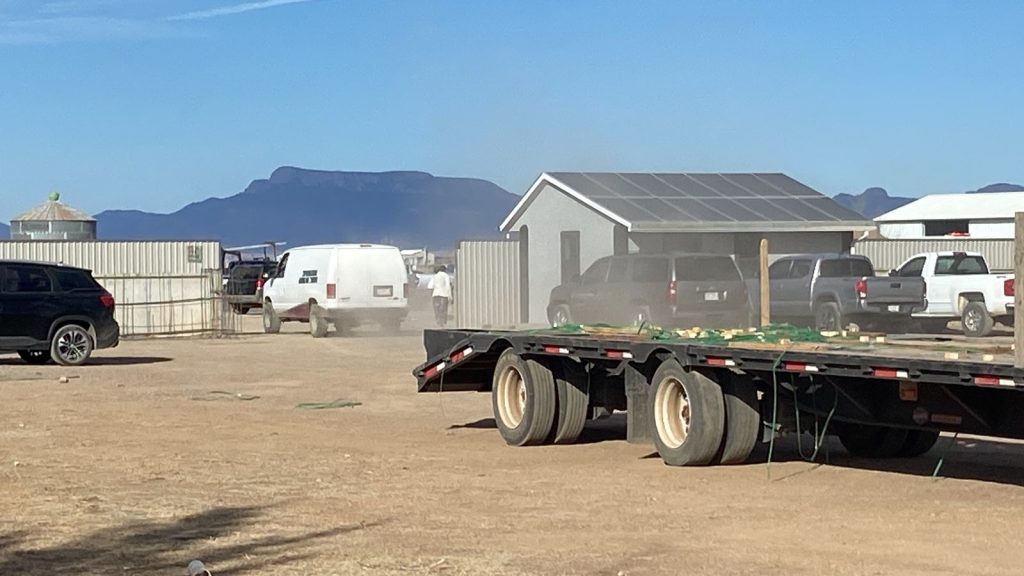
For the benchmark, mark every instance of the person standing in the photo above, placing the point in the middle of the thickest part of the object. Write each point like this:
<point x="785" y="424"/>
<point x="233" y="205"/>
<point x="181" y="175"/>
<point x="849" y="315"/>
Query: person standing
<point x="441" y="285"/>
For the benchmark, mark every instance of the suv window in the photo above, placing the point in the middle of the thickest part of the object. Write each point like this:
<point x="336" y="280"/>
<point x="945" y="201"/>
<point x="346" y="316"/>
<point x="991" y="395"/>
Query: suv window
<point x="597" y="273"/>
<point x="960" y="264"/>
<point x="619" y="270"/>
<point x="845" y="268"/>
<point x="913" y="268"/>
<point x="650" y="270"/>
<point x="69" y="280"/>
<point x="26" y="279"/>
<point x="706" y="268"/>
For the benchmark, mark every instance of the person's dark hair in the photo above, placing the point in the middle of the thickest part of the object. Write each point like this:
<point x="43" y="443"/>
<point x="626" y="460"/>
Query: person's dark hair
<point x="442" y="268"/>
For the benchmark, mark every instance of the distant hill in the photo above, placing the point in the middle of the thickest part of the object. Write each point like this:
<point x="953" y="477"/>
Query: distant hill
<point x="298" y="206"/>
<point x="874" y="202"/>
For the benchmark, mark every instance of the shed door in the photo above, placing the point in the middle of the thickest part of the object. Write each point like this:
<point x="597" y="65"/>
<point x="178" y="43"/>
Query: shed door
<point x="570" y="256"/>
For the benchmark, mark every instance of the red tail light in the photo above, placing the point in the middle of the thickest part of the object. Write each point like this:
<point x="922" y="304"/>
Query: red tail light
<point x="673" y="293"/>
<point x="259" y="283"/>
<point x="862" y="288"/>
<point x="332" y="291"/>
<point x="107" y="300"/>
<point x="1008" y="288"/>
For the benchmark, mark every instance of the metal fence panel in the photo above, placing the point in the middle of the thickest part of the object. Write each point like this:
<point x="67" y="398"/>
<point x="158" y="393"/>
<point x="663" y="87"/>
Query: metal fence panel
<point x="890" y="254"/>
<point x="117" y="258"/>
<point x="487" y="284"/>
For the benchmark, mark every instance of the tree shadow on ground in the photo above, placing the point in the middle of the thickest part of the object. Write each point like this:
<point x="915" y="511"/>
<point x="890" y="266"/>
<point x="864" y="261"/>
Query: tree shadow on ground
<point x="155" y="547"/>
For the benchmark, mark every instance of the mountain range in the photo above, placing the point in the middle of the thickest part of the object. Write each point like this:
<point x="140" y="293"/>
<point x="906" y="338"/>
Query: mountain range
<point x="301" y="207"/>
<point x="874" y="202"/>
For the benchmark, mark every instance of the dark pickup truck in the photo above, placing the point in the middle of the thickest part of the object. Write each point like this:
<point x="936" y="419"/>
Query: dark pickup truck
<point x="831" y="291"/>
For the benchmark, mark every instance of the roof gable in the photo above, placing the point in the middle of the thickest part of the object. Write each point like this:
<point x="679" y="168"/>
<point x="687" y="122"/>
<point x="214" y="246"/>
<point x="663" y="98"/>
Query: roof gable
<point x="978" y="206"/>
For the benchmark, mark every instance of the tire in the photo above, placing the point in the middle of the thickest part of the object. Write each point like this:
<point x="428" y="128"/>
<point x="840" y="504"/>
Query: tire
<point x="318" y="324"/>
<point x="918" y="442"/>
<point x="871" y="441"/>
<point x="742" y="420"/>
<point x="271" y="323"/>
<point x="71" y="345"/>
<point x="35" y="357"/>
<point x="828" y="317"/>
<point x="560" y="316"/>
<point x="688" y="415"/>
<point x="573" y="401"/>
<point x="975" y="320"/>
<point x="523" y="400"/>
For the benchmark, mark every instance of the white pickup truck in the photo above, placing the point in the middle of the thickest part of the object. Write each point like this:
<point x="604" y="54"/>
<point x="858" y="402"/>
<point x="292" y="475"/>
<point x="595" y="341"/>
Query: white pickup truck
<point x="960" y="287"/>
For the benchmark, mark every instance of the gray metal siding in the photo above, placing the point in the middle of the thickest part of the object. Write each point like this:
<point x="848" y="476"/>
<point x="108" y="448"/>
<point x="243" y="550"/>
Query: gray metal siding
<point x="890" y="254"/>
<point x="135" y="258"/>
<point x="487" y="284"/>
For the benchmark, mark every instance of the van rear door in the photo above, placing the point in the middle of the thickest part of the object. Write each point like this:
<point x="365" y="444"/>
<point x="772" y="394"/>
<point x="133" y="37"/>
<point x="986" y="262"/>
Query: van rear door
<point x="371" y="277"/>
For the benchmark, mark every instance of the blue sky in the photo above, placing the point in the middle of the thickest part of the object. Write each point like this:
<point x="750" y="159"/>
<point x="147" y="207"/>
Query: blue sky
<point x="155" y="104"/>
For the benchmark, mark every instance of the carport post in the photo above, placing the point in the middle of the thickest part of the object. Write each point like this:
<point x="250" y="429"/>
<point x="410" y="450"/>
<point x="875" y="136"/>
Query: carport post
<point x="1018" y="268"/>
<point x="766" y="293"/>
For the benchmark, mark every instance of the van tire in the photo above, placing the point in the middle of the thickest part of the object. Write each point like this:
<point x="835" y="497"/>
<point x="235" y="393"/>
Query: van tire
<point x="975" y="320"/>
<point x="318" y="323"/>
<point x="271" y="323"/>
<point x="687" y="414"/>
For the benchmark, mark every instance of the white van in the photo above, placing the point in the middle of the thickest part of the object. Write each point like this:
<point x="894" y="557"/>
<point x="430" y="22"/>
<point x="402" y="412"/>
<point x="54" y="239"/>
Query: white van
<point x="343" y="284"/>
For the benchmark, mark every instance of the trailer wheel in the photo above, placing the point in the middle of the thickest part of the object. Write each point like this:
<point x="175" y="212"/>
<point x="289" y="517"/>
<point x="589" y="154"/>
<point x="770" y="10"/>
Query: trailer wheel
<point x="918" y="442"/>
<point x="523" y="400"/>
<point x="573" y="398"/>
<point x="742" y="419"/>
<point x="871" y="441"/>
<point x="976" y="321"/>
<point x="688" y="414"/>
<point x="317" y="323"/>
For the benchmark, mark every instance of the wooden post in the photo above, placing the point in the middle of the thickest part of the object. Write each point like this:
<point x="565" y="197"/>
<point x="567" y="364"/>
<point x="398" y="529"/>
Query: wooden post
<point x="766" y="317"/>
<point x="1018" y="271"/>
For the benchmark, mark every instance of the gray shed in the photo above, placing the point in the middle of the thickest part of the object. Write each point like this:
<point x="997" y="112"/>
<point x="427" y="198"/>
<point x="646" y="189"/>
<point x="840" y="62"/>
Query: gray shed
<point x="567" y="220"/>
<point x="53" y="220"/>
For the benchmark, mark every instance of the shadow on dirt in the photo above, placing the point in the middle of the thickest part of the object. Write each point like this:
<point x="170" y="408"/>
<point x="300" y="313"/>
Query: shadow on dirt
<point x="95" y="361"/>
<point x="150" y="547"/>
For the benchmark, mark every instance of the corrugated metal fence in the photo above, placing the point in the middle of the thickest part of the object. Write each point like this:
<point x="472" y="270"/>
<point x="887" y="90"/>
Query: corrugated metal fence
<point x="890" y="254"/>
<point x="487" y="284"/>
<point x="161" y="288"/>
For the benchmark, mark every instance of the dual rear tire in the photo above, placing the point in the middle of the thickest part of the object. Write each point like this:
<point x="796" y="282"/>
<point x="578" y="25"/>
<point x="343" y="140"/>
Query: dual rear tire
<point x="534" y="404"/>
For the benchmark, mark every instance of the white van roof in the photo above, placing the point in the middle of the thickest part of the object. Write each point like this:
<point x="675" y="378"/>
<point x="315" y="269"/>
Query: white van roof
<point x="344" y="247"/>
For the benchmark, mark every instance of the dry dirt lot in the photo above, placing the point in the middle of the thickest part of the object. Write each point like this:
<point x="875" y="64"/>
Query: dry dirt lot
<point x="139" y="463"/>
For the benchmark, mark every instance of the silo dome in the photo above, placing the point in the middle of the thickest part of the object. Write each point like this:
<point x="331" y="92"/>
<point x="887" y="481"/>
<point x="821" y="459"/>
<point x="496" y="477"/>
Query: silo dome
<point x="53" y="220"/>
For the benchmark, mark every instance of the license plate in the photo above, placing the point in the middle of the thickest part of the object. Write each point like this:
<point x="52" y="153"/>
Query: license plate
<point x="383" y="291"/>
<point x="894" y="308"/>
<point x="711" y="296"/>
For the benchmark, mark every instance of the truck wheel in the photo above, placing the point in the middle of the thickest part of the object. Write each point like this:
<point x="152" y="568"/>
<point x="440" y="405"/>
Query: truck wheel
<point x="271" y="323"/>
<point x="975" y="320"/>
<point x="560" y="316"/>
<point x="742" y="420"/>
<point x="573" y="399"/>
<point x="523" y="400"/>
<point x="688" y="413"/>
<point x="318" y="324"/>
<point x="71" y="345"/>
<point x="36" y="357"/>
<point x="828" y="317"/>
<point x="871" y="441"/>
<point x="918" y="442"/>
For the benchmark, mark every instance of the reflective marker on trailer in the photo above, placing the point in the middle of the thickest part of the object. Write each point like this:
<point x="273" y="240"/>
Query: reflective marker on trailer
<point x="556" y="350"/>
<point x="461" y="355"/>
<point x="798" y="367"/>
<point x="720" y="361"/>
<point x="434" y="370"/>
<point x="619" y="354"/>
<point x="890" y="373"/>
<point x="993" y="381"/>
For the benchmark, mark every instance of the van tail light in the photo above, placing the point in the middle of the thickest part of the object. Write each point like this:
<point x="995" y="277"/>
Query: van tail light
<point x="332" y="291"/>
<point x="862" y="288"/>
<point x="1008" y="288"/>
<point x="107" y="300"/>
<point x="405" y="290"/>
<point x="673" y="293"/>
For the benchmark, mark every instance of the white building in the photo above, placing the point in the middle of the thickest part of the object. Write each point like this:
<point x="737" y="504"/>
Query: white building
<point x="980" y="216"/>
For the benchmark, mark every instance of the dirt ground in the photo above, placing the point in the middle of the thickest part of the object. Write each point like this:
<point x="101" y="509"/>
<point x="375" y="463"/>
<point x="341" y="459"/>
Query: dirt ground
<point x="149" y="458"/>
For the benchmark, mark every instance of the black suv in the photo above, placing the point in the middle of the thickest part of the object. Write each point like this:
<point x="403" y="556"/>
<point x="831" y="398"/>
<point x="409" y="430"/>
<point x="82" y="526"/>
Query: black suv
<point x="667" y="290"/>
<point x="54" y="312"/>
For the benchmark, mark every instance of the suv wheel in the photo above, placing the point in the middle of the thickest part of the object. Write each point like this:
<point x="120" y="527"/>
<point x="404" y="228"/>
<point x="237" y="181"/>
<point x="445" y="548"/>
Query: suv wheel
<point x="561" y="316"/>
<point x="34" y="356"/>
<point x="71" y="345"/>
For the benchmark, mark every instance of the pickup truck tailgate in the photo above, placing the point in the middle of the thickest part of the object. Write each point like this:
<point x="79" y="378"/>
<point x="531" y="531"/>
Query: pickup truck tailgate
<point x="888" y="291"/>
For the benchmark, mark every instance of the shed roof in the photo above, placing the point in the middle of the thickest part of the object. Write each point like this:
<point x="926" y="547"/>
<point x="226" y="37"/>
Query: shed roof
<point x="53" y="210"/>
<point x="979" y="206"/>
<point x="699" y="202"/>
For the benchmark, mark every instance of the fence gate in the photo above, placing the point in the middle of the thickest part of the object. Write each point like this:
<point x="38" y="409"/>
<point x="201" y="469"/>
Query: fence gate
<point x="487" y="284"/>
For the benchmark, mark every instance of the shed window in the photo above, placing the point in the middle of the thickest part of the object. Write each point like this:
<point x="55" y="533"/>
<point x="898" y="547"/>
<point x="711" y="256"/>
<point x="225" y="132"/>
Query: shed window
<point x="947" y="228"/>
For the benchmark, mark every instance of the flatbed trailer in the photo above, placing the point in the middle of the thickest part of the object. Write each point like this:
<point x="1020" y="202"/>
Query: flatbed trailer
<point x="711" y="402"/>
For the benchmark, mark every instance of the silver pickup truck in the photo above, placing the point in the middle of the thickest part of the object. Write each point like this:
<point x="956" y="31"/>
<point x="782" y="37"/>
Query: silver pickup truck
<point x="831" y="291"/>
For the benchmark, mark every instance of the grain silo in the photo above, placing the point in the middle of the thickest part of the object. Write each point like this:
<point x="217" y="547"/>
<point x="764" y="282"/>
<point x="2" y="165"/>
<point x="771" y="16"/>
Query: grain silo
<point x="53" y="220"/>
